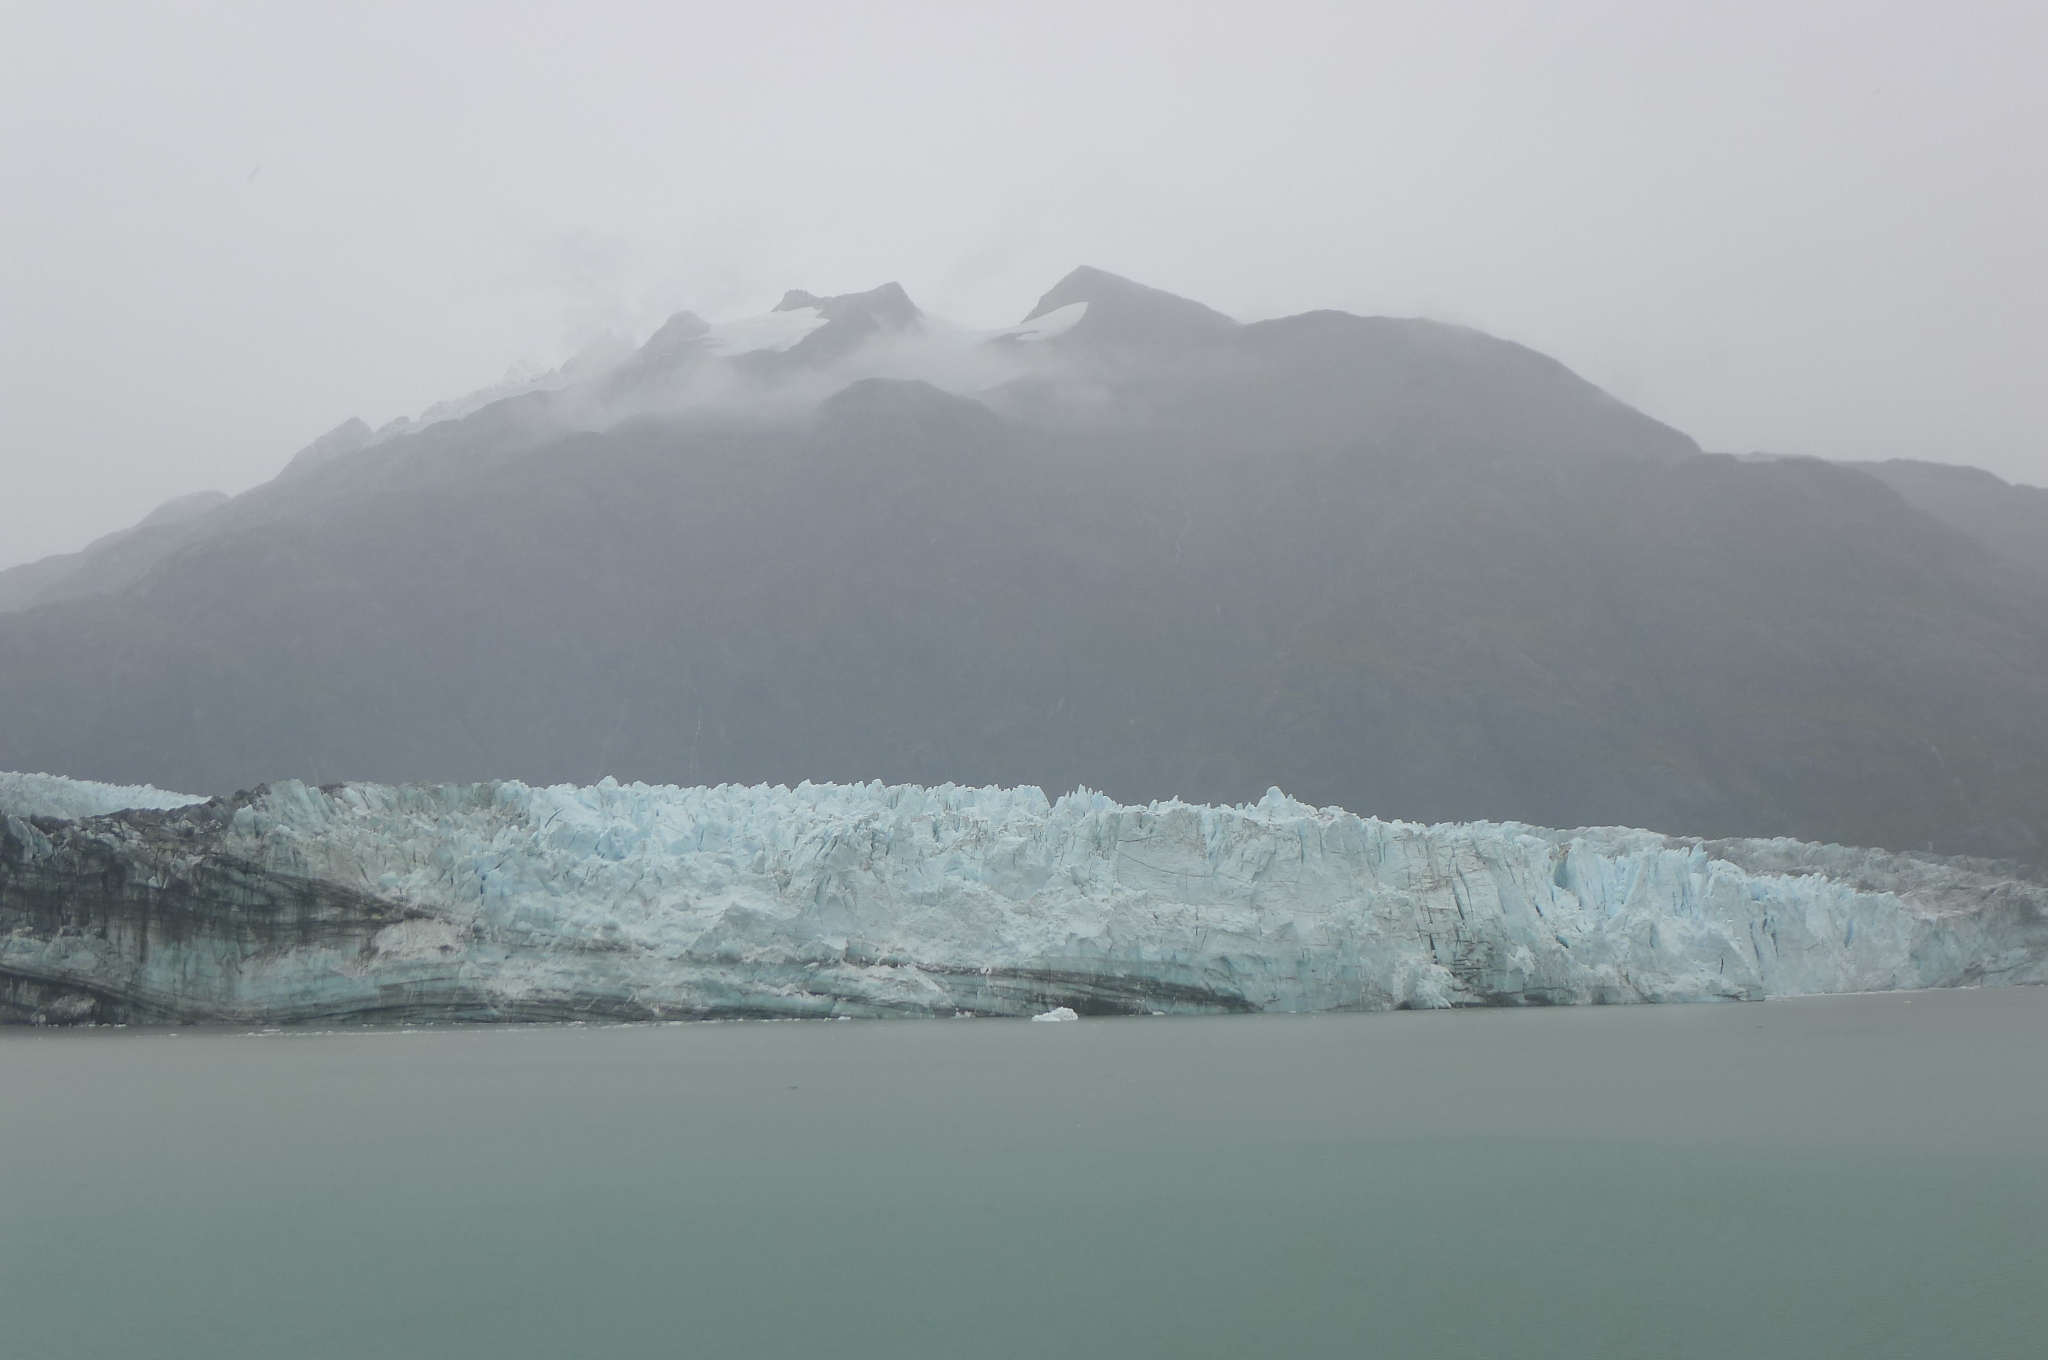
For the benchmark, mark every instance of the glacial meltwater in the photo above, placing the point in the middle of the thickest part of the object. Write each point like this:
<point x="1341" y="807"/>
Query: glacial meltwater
<point x="1855" y="1176"/>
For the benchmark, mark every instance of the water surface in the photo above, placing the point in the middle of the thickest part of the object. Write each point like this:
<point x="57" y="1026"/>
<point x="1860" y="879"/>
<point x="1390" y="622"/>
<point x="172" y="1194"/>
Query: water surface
<point x="1851" y="1176"/>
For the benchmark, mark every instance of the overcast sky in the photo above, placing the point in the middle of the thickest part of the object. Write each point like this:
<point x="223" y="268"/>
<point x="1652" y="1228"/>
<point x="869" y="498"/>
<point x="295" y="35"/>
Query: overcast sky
<point x="226" y="227"/>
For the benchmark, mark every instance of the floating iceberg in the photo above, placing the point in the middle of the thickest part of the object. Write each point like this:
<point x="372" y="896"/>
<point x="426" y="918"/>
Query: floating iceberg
<point x="504" y="901"/>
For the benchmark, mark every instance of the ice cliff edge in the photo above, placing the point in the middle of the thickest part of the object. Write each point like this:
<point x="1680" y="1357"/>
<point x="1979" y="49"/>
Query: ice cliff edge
<point x="501" y="901"/>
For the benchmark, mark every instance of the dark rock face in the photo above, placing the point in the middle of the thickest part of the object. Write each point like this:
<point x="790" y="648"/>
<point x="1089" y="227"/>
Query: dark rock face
<point x="1121" y="312"/>
<point x="109" y="898"/>
<point x="851" y="320"/>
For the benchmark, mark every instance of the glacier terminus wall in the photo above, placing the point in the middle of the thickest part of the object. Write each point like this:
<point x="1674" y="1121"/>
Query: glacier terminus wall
<point x="499" y="901"/>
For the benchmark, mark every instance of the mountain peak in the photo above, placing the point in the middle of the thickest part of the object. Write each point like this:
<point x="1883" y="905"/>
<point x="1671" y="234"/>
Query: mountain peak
<point x="345" y="438"/>
<point x="676" y="334"/>
<point x="851" y="319"/>
<point x="1123" y="312"/>
<point x="889" y="307"/>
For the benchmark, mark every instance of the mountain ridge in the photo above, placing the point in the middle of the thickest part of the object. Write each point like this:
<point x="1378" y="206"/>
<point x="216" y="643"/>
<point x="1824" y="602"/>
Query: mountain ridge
<point x="1387" y="564"/>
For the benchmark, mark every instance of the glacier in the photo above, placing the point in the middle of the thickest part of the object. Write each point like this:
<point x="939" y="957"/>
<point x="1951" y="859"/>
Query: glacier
<point x="500" y="901"/>
<point x="49" y="795"/>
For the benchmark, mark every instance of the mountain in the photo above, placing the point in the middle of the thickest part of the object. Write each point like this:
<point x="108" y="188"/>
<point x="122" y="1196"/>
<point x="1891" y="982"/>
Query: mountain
<point x="1129" y="543"/>
<point x="2011" y="520"/>
<point x="115" y="559"/>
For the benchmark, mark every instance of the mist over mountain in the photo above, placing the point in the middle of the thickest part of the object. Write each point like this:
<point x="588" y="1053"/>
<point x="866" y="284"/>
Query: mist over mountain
<point x="1129" y="543"/>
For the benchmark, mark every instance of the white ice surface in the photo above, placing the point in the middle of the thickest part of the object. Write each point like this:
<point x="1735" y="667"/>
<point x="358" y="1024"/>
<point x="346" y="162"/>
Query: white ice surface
<point x="507" y="899"/>
<point x="49" y="795"/>
<point x="771" y="332"/>
<point x="883" y="893"/>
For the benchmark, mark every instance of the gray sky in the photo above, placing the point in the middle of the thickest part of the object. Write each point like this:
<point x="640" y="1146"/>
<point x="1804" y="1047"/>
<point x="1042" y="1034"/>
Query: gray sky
<point x="226" y="227"/>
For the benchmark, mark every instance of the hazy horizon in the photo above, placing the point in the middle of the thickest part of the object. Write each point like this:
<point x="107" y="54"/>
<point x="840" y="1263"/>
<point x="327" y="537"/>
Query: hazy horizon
<point x="1802" y="229"/>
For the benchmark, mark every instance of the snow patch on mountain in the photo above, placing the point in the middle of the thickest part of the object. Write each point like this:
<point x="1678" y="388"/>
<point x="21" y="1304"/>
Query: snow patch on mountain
<point x="1054" y="323"/>
<point x="771" y="332"/>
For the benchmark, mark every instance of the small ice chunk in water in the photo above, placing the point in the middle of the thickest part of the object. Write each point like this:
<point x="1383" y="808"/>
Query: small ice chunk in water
<point x="1057" y="1013"/>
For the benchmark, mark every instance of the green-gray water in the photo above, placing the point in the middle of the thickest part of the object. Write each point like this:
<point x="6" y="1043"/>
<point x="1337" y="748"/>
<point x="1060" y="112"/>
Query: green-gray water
<point x="1854" y="1176"/>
